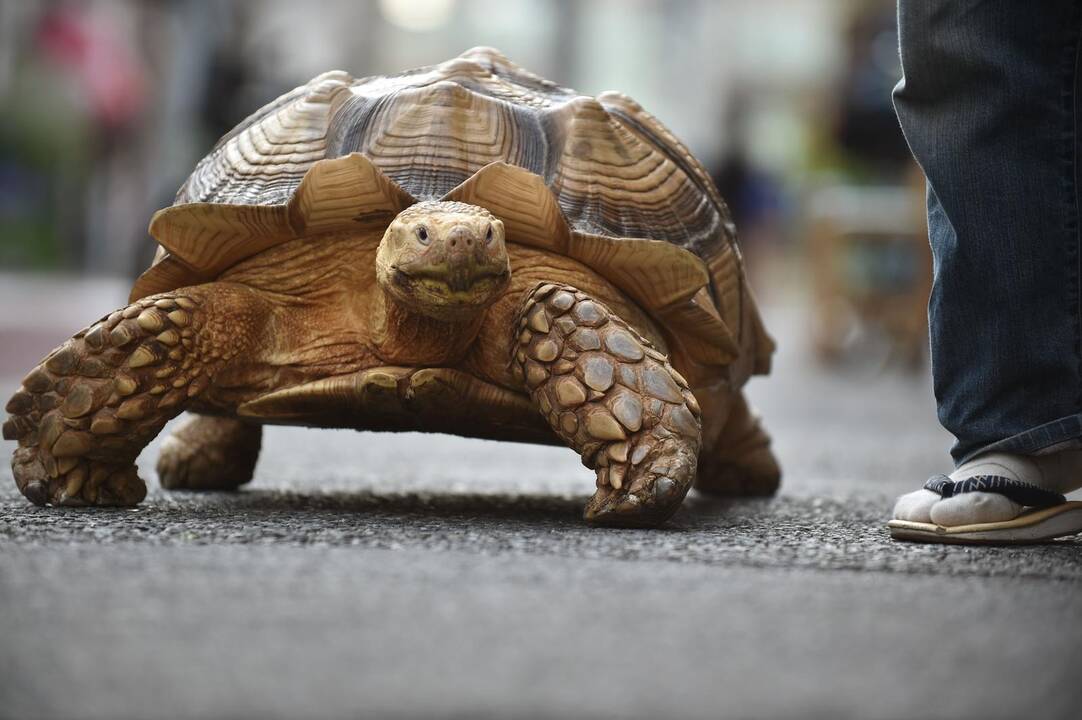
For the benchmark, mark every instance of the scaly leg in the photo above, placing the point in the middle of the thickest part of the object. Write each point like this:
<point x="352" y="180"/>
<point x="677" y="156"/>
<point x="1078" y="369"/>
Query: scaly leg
<point x="614" y="399"/>
<point x="82" y="416"/>
<point x="209" y="453"/>
<point x="740" y="462"/>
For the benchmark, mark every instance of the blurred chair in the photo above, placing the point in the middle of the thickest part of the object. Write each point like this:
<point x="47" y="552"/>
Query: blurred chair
<point x="871" y="272"/>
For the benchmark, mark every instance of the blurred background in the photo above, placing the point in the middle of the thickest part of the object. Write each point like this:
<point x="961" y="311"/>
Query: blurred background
<point x="109" y="104"/>
<point x="438" y="576"/>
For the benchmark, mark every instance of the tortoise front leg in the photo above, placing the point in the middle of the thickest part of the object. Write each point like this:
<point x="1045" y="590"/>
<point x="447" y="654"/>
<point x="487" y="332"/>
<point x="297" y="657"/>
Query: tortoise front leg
<point x="82" y="416"/>
<point x="614" y="399"/>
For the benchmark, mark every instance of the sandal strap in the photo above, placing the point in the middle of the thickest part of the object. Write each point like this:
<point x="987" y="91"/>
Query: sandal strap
<point x="1020" y="492"/>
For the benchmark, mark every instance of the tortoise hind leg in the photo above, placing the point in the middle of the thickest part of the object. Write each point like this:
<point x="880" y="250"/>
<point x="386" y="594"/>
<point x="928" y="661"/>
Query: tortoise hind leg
<point x="740" y="461"/>
<point x="209" y="453"/>
<point x="613" y="398"/>
<point x="84" y="414"/>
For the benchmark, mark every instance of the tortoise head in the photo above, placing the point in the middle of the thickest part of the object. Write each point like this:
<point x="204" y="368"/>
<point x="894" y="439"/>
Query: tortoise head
<point x="446" y="260"/>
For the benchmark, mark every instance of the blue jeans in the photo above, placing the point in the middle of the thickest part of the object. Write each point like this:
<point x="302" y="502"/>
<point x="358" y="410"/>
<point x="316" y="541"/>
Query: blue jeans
<point x="990" y="105"/>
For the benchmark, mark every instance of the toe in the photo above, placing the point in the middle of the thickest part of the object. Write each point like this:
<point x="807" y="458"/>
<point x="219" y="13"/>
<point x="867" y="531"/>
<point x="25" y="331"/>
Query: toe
<point x="974" y="507"/>
<point x="31" y="477"/>
<point x="649" y="508"/>
<point x="650" y="492"/>
<point x="36" y="492"/>
<point x="613" y="508"/>
<point x="916" y="506"/>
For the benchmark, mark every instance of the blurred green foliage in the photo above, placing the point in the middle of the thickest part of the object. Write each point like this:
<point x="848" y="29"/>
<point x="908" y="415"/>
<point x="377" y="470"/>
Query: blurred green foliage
<point x="45" y="164"/>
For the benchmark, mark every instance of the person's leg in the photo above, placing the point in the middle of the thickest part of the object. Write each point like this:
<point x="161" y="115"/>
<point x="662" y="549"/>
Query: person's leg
<point x="987" y="105"/>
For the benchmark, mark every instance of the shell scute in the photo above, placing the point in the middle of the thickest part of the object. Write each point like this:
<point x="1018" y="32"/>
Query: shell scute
<point x="597" y="179"/>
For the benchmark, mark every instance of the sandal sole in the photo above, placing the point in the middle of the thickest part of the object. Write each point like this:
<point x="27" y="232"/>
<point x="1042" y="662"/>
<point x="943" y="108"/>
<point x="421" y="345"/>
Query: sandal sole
<point x="1034" y="526"/>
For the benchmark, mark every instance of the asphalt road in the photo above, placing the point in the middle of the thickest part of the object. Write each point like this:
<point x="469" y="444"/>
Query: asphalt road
<point x="366" y="575"/>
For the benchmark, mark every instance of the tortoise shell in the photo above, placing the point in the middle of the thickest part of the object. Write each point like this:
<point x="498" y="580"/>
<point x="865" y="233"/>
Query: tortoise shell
<point x="597" y="179"/>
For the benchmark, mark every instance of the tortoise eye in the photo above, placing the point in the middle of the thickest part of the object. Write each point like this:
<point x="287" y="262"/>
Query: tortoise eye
<point x="488" y="235"/>
<point x="422" y="235"/>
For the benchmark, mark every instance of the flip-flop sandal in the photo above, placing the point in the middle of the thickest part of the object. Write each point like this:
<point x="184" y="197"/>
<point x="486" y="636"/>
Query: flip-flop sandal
<point x="1049" y="516"/>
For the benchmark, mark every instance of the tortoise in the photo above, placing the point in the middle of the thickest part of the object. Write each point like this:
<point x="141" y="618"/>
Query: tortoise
<point x="462" y="248"/>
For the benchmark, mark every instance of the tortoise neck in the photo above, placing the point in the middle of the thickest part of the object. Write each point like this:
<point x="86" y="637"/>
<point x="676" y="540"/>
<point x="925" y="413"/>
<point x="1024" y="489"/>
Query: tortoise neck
<point x="406" y="337"/>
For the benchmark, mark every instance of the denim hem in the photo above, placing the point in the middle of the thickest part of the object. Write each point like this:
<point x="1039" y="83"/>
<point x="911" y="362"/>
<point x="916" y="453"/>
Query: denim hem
<point x="1033" y="441"/>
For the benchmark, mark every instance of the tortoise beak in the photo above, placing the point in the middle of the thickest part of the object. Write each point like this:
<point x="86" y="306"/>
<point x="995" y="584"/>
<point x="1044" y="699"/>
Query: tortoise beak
<point x="458" y="279"/>
<point x="466" y="260"/>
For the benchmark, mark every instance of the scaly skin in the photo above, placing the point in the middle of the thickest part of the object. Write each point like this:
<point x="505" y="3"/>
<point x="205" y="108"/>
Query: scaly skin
<point x="740" y="462"/>
<point x="209" y="453"/>
<point x="614" y="399"/>
<point x="82" y="416"/>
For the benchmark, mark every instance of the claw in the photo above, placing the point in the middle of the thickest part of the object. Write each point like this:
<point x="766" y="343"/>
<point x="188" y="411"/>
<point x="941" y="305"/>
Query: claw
<point x="36" y="492"/>
<point x="652" y="507"/>
<point x="652" y="493"/>
<point x="611" y="508"/>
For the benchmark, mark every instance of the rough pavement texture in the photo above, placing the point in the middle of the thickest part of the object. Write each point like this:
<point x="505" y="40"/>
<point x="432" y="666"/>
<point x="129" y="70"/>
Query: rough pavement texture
<point x="406" y="576"/>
